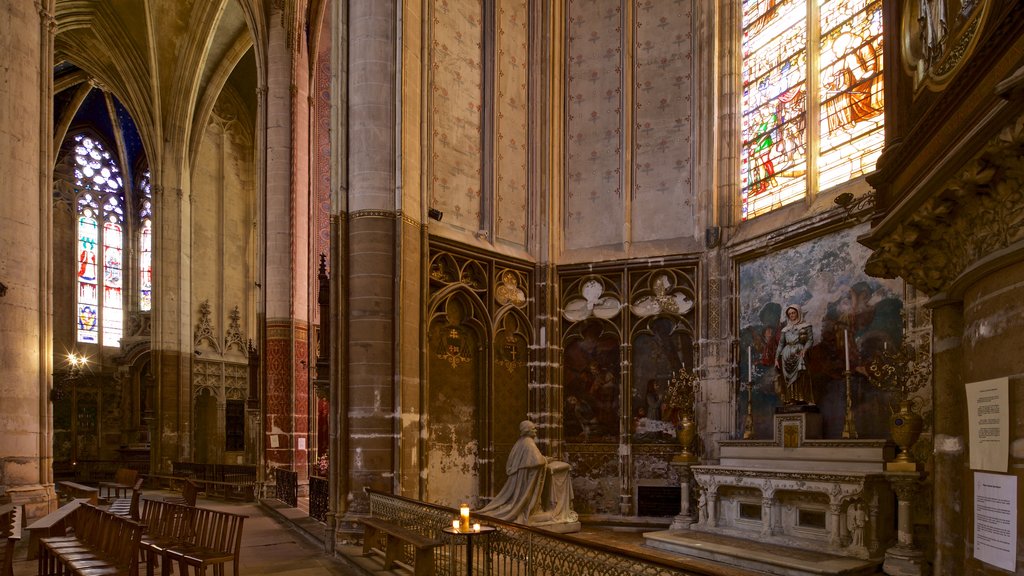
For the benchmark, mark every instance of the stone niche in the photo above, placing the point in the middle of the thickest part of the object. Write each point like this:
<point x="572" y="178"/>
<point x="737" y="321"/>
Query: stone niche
<point x="799" y="491"/>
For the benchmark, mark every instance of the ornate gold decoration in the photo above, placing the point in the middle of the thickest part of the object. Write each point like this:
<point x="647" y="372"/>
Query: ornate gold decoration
<point x="978" y="212"/>
<point x="508" y="290"/>
<point x="902" y="371"/>
<point x="453" y="347"/>
<point x="936" y="41"/>
<point x="681" y="393"/>
<point x="511" y="356"/>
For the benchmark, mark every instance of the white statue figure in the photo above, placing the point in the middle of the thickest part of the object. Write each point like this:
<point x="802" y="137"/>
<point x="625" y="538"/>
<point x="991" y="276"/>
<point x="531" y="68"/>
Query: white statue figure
<point x="538" y="491"/>
<point x="856" y="520"/>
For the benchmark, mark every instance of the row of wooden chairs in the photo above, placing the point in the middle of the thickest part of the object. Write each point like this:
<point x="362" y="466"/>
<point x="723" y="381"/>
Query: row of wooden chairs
<point x="193" y="538"/>
<point x="102" y="544"/>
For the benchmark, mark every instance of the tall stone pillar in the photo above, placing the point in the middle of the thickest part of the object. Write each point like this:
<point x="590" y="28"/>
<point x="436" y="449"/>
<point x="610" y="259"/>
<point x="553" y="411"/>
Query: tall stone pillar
<point x="287" y="272"/>
<point x="26" y="37"/>
<point x="370" y="381"/>
<point x="950" y="431"/>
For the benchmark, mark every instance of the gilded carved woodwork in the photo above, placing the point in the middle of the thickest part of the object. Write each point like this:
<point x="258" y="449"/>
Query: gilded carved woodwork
<point x="976" y="213"/>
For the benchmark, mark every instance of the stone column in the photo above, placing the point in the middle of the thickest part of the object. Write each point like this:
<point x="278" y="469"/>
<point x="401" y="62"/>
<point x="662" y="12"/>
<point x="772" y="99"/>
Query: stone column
<point x="904" y="559"/>
<point x="685" y="517"/>
<point x="287" y="273"/>
<point x="949" y="433"/>
<point x="26" y="36"/>
<point x="371" y="322"/>
<point x="767" y="509"/>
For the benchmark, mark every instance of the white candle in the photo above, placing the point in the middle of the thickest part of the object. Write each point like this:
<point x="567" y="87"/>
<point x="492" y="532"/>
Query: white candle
<point x="750" y="366"/>
<point x="455" y="524"/>
<point x="476" y="527"/>
<point x="846" y="348"/>
<point x="464" y="513"/>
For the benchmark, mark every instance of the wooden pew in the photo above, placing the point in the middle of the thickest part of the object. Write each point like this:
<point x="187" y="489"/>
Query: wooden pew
<point x="128" y="507"/>
<point x="394" y="537"/>
<point x="75" y="491"/>
<point x="55" y="523"/>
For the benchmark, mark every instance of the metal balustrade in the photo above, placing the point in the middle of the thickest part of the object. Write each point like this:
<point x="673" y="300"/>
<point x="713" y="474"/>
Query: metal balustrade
<point x="515" y="550"/>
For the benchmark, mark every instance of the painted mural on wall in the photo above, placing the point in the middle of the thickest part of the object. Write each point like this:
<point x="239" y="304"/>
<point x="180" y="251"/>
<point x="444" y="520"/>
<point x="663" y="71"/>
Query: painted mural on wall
<point x="658" y="353"/>
<point x="824" y="280"/>
<point x="592" y="384"/>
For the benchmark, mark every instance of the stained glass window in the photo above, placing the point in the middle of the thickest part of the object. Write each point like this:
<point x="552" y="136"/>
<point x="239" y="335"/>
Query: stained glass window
<point x="145" y="244"/>
<point x="100" y="254"/>
<point x="808" y="131"/>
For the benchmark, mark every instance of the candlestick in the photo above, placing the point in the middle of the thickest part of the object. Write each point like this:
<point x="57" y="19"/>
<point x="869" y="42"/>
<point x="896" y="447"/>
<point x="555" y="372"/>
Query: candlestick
<point x="750" y="366"/>
<point x="846" y="348"/>
<point x="464" y="514"/>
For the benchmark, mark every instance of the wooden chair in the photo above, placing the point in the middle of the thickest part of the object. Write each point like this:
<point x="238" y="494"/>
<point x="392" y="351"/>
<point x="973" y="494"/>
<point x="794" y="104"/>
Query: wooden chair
<point x="167" y="525"/>
<point x="128" y="507"/>
<point x="124" y="480"/>
<point x="10" y="533"/>
<point x="189" y="494"/>
<point x="218" y="540"/>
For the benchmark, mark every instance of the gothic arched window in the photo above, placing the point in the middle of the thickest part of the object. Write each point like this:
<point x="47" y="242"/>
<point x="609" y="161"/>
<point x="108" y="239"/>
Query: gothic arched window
<point x="805" y="131"/>
<point x="100" y="255"/>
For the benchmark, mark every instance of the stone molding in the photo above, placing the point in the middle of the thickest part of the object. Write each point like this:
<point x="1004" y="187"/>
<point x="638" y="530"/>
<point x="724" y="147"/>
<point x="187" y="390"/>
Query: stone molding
<point x="976" y="213"/>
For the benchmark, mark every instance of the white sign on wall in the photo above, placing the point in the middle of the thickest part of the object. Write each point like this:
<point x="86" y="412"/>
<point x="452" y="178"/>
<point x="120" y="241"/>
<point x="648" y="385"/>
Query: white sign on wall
<point x="995" y="519"/>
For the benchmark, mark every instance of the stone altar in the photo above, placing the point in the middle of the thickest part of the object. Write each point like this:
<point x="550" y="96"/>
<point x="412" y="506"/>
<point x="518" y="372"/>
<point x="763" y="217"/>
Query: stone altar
<point x="795" y="490"/>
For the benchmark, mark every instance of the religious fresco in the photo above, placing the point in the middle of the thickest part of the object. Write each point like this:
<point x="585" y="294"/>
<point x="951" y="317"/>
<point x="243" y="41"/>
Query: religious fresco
<point x="658" y="353"/>
<point x="824" y="277"/>
<point x="592" y="384"/>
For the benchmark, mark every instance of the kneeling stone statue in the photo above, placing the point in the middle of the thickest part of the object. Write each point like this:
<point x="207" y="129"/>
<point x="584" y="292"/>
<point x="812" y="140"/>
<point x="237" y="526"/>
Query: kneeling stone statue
<point x="538" y="491"/>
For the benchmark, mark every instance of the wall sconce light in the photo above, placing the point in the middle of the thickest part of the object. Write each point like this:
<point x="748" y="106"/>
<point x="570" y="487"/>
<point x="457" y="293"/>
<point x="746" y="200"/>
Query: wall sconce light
<point x="435" y="214"/>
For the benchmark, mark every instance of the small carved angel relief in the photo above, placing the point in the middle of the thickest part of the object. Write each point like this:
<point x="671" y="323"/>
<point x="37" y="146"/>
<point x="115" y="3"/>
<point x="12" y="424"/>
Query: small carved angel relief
<point x="662" y="300"/>
<point x="592" y="303"/>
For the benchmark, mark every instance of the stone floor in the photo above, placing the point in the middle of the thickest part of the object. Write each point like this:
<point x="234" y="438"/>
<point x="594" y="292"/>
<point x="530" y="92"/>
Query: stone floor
<point x="285" y="541"/>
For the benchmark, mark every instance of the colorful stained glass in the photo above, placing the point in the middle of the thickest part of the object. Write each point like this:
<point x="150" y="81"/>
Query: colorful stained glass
<point x="781" y="136"/>
<point x="100" y="251"/>
<point x="146" y="266"/>
<point x="145" y="244"/>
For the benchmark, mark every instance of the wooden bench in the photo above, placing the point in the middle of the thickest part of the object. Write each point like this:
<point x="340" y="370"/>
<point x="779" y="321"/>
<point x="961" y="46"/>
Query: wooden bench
<point x="10" y="532"/>
<point x="385" y="535"/>
<point x="217" y="539"/>
<point x="55" y="523"/>
<point x="75" y="491"/>
<point x="102" y="544"/>
<point x="124" y="480"/>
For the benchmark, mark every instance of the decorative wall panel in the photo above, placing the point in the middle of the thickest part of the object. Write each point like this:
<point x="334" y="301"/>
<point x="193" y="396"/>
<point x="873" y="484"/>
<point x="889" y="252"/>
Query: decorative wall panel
<point x="593" y="203"/>
<point x="511" y="120"/>
<point x="456" y="100"/>
<point x="663" y="199"/>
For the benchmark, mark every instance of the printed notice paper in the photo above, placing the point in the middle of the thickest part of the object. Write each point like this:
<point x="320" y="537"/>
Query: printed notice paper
<point x="995" y="519"/>
<point x="988" y="405"/>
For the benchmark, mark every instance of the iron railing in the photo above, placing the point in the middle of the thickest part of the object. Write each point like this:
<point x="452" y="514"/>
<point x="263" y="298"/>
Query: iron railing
<point x="318" y="503"/>
<point x="515" y="550"/>
<point x="286" y="486"/>
<point x="227" y="480"/>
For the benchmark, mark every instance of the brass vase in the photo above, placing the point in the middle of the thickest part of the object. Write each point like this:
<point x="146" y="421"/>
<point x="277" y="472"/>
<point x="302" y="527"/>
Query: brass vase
<point x="905" y="426"/>
<point x="686" y="433"/>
